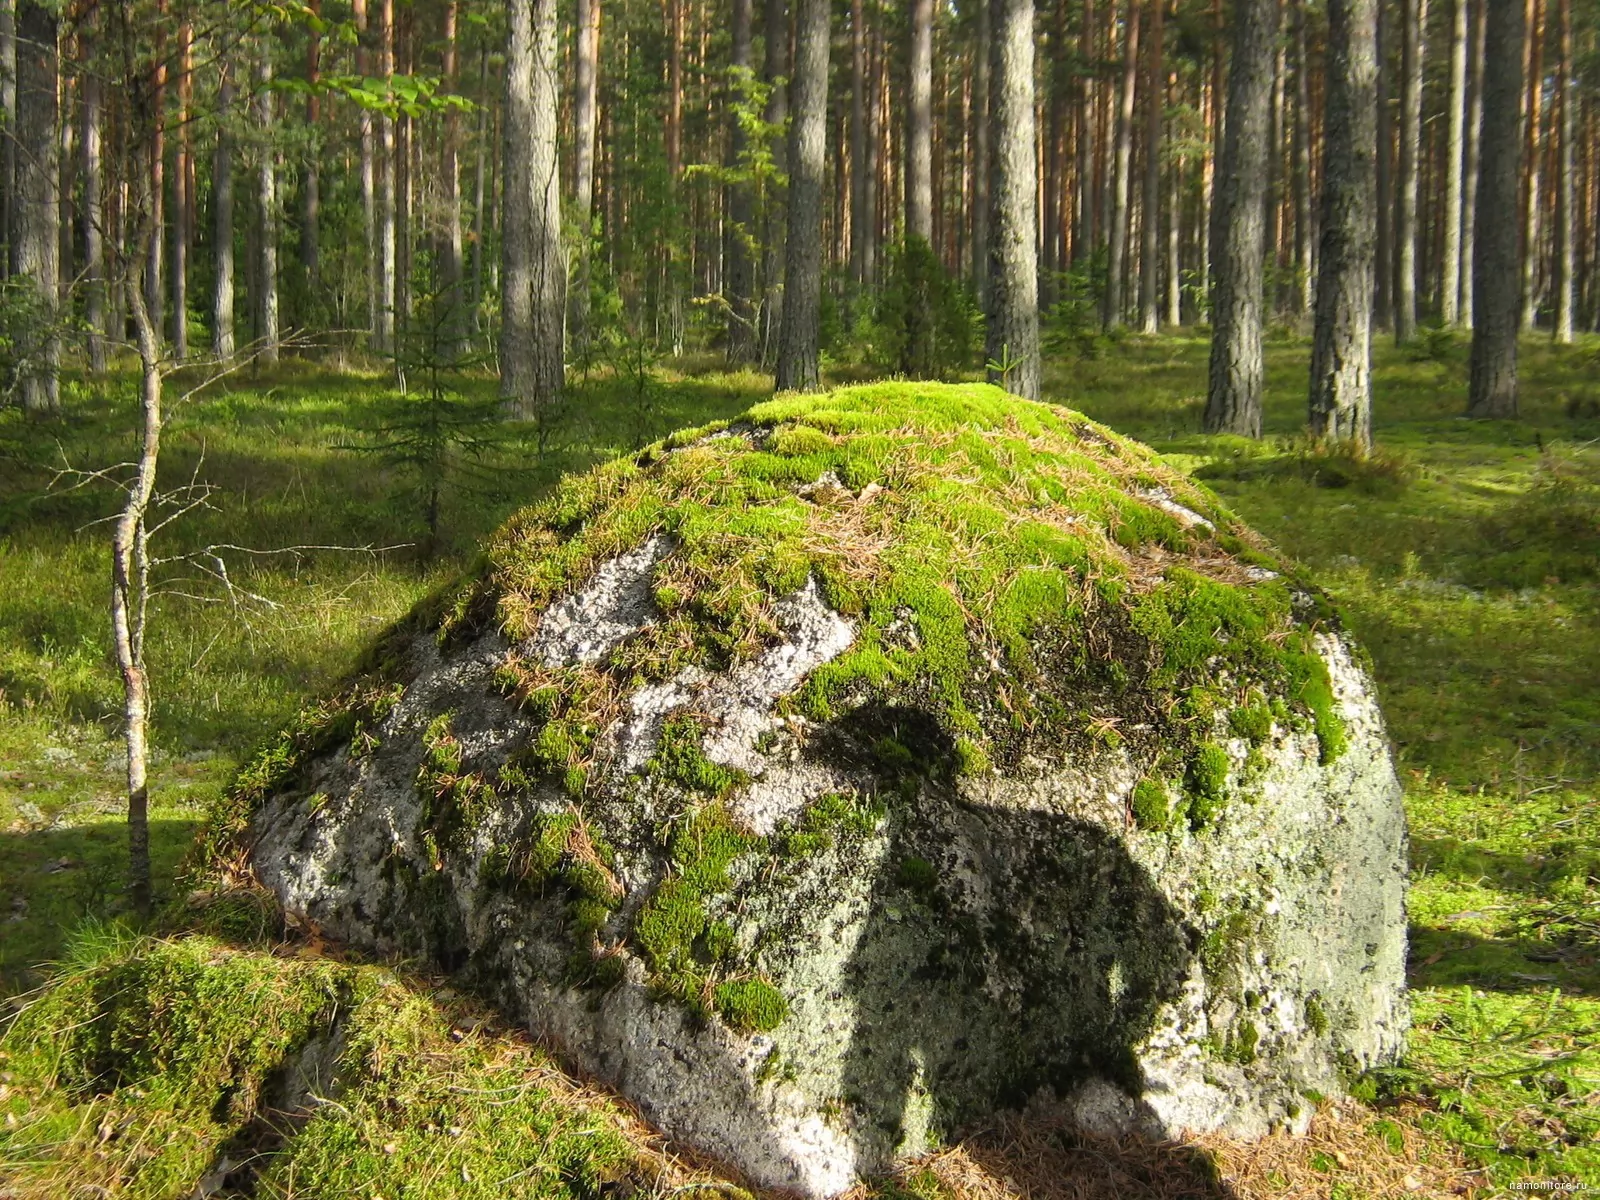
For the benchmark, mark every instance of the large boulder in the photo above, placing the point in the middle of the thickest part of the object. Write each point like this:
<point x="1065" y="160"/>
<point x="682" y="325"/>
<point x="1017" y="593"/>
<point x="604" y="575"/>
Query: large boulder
<point x="830" y="779"/>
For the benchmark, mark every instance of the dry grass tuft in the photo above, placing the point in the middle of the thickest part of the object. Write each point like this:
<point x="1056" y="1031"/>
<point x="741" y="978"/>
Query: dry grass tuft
<point x="1350" y="1151"/>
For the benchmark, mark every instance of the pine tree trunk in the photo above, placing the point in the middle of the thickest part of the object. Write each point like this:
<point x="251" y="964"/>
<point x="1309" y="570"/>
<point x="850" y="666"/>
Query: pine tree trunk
<point x="387" y="181"/>
<point x="862" y="248"/>
<point x="35" y="210"/>
<point x="222" y="346"/>
<point x="585" y="91"/>
<point x="1237" y="374"/>
<point x="1455" y="147"/>
<point x="981" y="158"/>
<point x="1150" y="228"/>
<point x="1469" y="155"/>
<point x="1496" y="279"/>
<point x="181" y="199"/>
<point x="8" y="141"/>
<point x="775" y="74"/>
<point x="266" y="306"/>
<point x="311" y="184"/>
<point x="1341" y="360"/>
<point x="155" y="280"/>
<point x="94" y="258"/>
<point x="1565" y="256"/>
<point x="1414" y="20"/>
<point x="919" y="124"/>
<point x="1082" y="139"/>
<point x="369" y="190"/>
<point x="1304" y="234"/>
<point x="1383" y="265"/>
<point x="479" y="183"/>
<point x="1122" y="186"/>
<point x="1272" y="207"/>
<point x="1174" y="225"/>
<point x="1012" y="341"/>
<point x="739" y="274"/>
<point x="799" y="369"/>
<point x="533" y="273"/>
<point x="1533" y="101"/>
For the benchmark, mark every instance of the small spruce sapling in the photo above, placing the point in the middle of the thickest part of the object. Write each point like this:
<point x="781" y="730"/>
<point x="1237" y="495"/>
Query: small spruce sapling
<point x="430" y="428"/>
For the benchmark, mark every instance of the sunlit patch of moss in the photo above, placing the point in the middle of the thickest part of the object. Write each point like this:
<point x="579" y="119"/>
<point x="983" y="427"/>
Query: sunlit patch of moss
<point x="1253" y="722"/>
<point x="1205" y="781"/>
<point x="680" y="939"/>
<point x="825" y="820"/>
<point x="751" y="1004"/>
<point x="143" y="1064"/>
<point x="965" y="524"/>
<point x="680" y="759"/>
<point x="1153" y="805"/>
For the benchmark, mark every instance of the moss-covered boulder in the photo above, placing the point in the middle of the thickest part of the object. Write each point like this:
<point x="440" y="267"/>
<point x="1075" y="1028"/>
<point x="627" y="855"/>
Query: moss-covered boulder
<point x="829" y="779"/>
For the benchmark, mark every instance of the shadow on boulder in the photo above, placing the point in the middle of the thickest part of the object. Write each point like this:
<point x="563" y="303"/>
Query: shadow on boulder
<point x="1012" y="953"/>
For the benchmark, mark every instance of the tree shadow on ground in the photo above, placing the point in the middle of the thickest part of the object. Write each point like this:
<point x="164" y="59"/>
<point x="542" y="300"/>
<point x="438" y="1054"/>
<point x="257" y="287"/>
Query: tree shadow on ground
<point x="51" y="879"/>
<point x="1012" y="952"/>
<point x="1051" y="1160"/>
<point x="1450" y="958"/>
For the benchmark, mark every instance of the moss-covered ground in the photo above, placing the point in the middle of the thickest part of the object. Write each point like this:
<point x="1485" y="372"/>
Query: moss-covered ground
<point x="1465" y="559"/>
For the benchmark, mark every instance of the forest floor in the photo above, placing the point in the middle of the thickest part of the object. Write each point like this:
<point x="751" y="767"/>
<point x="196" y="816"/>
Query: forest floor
<point x="1465" y="557"/>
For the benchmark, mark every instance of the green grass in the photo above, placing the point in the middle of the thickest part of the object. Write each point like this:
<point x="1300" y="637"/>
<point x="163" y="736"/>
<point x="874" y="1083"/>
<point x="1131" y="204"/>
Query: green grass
<point x="1446" y="560"/>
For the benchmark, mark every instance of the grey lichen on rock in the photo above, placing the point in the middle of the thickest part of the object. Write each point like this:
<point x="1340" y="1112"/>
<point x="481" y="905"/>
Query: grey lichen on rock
<point x="831" y="779"/>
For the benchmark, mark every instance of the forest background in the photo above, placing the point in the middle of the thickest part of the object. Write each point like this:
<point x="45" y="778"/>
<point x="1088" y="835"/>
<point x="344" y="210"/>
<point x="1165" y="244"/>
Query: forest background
<point x="303" y="221"/>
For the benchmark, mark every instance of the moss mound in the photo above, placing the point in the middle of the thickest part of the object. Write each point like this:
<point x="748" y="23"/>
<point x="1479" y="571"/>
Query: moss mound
<point x="155" y="1068"/>
<point x="1008" y="565"/>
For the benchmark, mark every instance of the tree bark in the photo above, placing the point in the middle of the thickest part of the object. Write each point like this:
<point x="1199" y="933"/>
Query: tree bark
<point x="1496" y="279"/>
<point x="1414" y="20"/>
<point x="533" y="273"/>
<point x="181" y="198"/>
<point x="586" y="85"/>
<point x="35" y="208"/>
<point x="266" y="306"/>
<point x="775" y="74"/>
<point x="1341" y="358"/>
<point x="387" y="198"/>
<point x="130" y="591"/>
<point x="1565" y="249"/>
<point x="479" y="183"/>
<point x="981" y="98"/>
<point x="1469" y="155"/>
<point x="155" y="285"/>
<point x="863" y="247"/>
<point x="1304" y="243"/>
<point x="8" y="140"/>
<point x="222" y="346"/>
<point x="1174" y="226"/>
<point x="739" y="274"/>
<point x="1150" y="226"/>
<point x="369" y="191"/>
<point x="1012" y="340"/>
<point x="1237" y="375"/>
<point x="1383" y="285"/>
<point x="919" y="124"/>
<point x="93" y="213"/>
<point x="799" y="369"/>
<point x="1454" y="155"/>
<point x="311" y="184"/>
<point x="1533" y="100"/>
<point x="1123" y="184"/>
